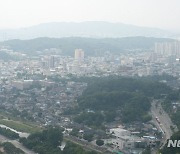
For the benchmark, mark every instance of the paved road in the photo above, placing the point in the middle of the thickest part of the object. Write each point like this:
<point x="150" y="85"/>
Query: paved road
<point x="164" y="123"/>
<point x="16" y="144"/>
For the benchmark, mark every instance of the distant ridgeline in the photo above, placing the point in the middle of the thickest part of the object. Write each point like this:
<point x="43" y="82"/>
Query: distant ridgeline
<point x="91" y="46"/>
<point x="111" y="97"/>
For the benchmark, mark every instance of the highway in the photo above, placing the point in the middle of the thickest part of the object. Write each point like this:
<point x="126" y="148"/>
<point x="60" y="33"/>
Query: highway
<point x="164" y="124"/>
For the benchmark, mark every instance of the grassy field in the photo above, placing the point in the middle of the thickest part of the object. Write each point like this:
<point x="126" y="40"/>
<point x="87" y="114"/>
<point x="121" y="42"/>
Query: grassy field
<point x="20" y="126"/>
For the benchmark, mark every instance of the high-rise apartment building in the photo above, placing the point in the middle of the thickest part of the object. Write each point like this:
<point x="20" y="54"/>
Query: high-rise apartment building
<point x="52" y="62"/>
<point x="168" y="48"/>
<point x="79" y="55"/>
<point x="177" y="48"/>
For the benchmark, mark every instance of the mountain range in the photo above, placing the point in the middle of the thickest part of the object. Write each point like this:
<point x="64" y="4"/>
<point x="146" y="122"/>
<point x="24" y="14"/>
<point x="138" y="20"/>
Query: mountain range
<point x="91" y="29"/>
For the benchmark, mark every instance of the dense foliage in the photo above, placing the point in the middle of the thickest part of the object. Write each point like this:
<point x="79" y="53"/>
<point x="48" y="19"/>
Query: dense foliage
<point x="88" y="136"/>
<point x="149" y="88"/>
<point x="147" y="151"/>
<point x="106" y="98"/>
<point x="90" y="119"/>
<point x="99" y="142"/>
<point x="45" y="142"/>
<point x="72" y="148"/>
<point x="48" y="142"/>
<point x="9" y="148"/>
<point x="8" y="133"/>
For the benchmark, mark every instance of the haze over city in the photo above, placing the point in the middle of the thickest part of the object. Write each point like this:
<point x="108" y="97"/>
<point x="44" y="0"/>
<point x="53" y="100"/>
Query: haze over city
<point x="162" y="14"/>
<point x="89" y="76"/>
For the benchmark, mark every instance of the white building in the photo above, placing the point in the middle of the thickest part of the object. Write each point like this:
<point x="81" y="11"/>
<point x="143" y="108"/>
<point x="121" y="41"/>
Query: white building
<point x="123" y="139"/>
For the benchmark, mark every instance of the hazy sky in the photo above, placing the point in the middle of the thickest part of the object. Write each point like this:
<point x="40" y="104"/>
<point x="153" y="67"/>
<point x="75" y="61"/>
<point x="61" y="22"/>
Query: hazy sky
<point x="152" y="13"/>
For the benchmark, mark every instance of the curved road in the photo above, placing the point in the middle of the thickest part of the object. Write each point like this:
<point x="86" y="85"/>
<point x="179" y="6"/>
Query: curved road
<point x="165" y="123"/>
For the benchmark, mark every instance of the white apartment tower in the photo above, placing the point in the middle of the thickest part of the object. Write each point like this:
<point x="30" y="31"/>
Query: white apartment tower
<point x="168" y="48"/>
<point x="79" y="55"/>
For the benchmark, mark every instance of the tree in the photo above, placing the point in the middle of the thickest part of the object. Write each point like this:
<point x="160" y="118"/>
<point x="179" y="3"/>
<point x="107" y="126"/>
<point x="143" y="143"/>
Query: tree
<point x="72" y="148"/>
<point x="45" y="142"/>
<point x="74" y="132"/>
<point x="99" y="142"/>
<point x="147" y="151"/>
<point x="88" y="137"/>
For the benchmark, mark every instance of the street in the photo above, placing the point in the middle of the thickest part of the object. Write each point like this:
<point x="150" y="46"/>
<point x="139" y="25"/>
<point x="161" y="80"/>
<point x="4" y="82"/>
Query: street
<point x="162" y="120"/>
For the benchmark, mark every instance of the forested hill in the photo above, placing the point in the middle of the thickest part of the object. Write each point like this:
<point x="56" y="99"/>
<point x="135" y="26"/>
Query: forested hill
<point x="127" y="98"/>
<point x="89" y="45"/>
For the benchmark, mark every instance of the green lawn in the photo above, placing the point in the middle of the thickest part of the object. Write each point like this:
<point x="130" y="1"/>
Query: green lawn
<point x="20" y="126"/>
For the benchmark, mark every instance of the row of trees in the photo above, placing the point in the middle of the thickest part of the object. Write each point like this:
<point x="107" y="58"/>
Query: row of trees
<point x="8" y="133"/>
<point x="72" y="148"/>
<point x="48" y="142"/>
<point x="9" y="148"/>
